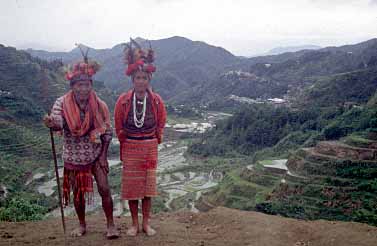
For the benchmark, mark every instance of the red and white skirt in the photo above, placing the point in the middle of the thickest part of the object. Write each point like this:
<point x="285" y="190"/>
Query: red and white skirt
<point x="139" y="158"/>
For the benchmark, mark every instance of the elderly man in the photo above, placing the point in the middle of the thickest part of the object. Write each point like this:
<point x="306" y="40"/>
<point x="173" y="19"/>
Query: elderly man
<point x="84" y="121"/>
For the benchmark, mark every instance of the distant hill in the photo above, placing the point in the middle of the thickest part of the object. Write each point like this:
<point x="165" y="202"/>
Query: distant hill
<point x="326" y="61"/>
<point x="28" y="78"/>
<point x="36" y="46"/>
<point x="195" y="72"/>
<point x="353" y="88"/>
<point x="290" y="73"/>
<point x="281" y="50"/>
<point x="181" y="63"/>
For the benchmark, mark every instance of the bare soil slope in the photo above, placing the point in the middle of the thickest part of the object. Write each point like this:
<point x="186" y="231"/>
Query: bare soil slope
<point x="220" y="226"/>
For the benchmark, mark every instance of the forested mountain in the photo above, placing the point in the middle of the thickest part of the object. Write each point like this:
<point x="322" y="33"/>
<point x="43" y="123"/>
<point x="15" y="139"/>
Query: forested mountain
<point x="181" y="63"/>
<point x="289" y="74"/>
<point x="285" y="49"/>
<point x="190" y="70"/>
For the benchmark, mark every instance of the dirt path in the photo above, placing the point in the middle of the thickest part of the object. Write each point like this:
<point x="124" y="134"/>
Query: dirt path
<point x="220" y="226"/>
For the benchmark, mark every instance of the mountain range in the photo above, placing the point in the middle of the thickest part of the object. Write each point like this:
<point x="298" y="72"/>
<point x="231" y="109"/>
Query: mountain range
<point x="181" y="63"/>
<point x="285" y="49"/>
<point x="195" y="71"/>
<point x="291" y="74"/>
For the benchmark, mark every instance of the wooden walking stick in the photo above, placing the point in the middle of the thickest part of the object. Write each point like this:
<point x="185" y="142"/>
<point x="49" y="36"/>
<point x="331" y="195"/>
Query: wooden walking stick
<point x="57" y="177"/>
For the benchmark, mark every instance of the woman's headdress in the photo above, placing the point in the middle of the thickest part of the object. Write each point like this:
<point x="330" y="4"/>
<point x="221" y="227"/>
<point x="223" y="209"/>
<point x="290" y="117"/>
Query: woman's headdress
<point x="83" y="70"/>
<point x="138" y="59"/>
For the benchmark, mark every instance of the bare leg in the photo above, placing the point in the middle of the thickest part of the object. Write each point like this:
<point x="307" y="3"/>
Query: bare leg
<point x="134" y="207"/>
<point x="107" y="201"/>
<point x="146" y="207"/>
<point x="80" y="211"/>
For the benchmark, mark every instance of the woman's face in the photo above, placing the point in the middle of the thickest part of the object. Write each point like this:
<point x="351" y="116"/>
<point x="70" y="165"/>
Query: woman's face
<point x="141" y="81"/>
<point x="82" y="89"/>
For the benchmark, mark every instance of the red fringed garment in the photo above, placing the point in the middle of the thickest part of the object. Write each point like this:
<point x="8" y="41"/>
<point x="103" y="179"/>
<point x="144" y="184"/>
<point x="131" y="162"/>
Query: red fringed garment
<point x="80" y="182"/>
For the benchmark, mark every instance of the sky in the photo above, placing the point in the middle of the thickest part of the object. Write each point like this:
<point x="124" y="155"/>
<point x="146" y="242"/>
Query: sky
<point x="243" y="27"/>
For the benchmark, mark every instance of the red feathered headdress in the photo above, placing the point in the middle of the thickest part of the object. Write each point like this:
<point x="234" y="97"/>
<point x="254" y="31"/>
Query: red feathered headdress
<point x="138" y="59"/>
<point x="83" y="70"/>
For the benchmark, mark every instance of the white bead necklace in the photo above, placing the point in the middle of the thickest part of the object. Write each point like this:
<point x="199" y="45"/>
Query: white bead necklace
<point x="139" y="123"/>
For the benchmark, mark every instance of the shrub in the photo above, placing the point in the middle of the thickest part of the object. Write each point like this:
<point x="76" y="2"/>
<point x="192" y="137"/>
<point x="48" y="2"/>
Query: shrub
<point x="19" y="209"/>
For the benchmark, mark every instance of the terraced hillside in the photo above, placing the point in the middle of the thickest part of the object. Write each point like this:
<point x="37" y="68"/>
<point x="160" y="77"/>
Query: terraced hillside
<point x="243" y="188"/>
<point x="28" y="87"/>
<point x="335" y="180"/>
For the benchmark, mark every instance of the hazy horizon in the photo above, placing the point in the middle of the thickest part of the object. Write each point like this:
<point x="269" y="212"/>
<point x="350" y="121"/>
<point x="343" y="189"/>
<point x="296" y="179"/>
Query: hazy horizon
<point x="266" y="52"/>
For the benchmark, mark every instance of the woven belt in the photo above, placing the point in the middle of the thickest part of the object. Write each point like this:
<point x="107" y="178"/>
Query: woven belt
<point x="141" y="138"/>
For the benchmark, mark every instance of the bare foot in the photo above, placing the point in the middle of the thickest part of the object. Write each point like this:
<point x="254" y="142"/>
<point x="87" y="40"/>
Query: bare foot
<point x="112" y="233"/>
<point x="149" y="231"/>
<point x="132" y="231"/>
<point x="78" y="232"/>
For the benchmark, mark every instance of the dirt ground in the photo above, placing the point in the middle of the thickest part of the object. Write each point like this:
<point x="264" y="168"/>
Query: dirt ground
<point x="220" y="226"/>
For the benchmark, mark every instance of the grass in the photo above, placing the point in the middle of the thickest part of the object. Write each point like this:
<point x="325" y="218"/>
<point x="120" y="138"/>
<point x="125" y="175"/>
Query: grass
<point x="357" y="141"/>
<point x="236" y="192"/>
<point x="267" y="162"/>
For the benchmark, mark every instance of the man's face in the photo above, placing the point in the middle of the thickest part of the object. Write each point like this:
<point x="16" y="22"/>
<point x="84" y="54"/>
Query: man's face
<point x="82" y="89"/>
<point x="141" y="81"/>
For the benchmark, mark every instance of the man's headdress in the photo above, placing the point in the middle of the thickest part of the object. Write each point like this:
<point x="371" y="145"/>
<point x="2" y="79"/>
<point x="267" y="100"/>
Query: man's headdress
<point x="138" y="59"/>
<point x="83" y="70"/>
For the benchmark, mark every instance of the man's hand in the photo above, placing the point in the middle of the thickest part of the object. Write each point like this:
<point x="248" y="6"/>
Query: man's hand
<point x="104" y="163"/>
<point x="48" y="121"/>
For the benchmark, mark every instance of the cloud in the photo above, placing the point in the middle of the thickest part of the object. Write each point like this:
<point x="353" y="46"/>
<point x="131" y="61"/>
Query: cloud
<point x="339" y="2"/>
<point x="335" y="4"/>
<point x="164" y="1"/>
<point x="241" y="26"/>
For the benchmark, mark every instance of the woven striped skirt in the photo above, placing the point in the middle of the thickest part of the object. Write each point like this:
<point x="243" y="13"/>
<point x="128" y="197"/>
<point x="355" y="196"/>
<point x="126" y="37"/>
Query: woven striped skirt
<point x="139" y="158"/>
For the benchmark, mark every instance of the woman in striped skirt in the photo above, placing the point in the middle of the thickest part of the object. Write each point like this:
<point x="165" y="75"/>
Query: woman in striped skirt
<point x="140" y="118"/>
